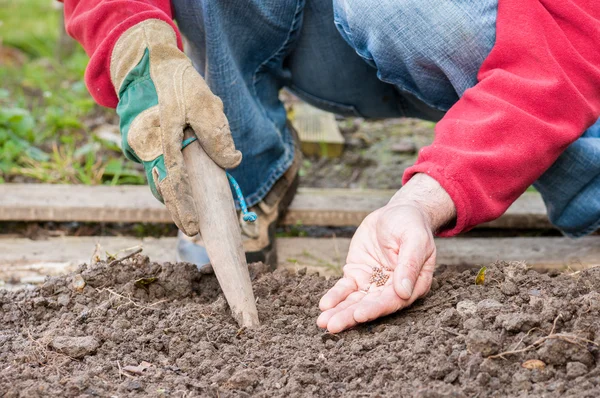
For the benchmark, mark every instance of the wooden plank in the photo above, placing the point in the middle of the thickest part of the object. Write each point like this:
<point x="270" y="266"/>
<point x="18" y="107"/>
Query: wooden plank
<point x="30" y="261"/>
<point x="540" y="253"/>
<point x="318" y="131"/>
<point x="130" y="204"/>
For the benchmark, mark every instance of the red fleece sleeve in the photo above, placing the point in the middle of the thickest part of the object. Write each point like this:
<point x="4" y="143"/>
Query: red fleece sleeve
<point x="538" y="91"/>
<point x="98" y="24"/>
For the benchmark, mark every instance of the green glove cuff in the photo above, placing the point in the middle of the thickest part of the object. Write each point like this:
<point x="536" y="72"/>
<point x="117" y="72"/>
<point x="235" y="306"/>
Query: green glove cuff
<point x="136" y="95"/>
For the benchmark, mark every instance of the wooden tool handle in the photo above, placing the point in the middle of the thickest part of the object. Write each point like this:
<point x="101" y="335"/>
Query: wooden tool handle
<point x="220" y="230"/>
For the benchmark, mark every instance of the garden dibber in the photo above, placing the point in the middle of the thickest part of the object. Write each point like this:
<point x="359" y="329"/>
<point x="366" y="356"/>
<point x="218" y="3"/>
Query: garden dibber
<point x="220" y="229"/>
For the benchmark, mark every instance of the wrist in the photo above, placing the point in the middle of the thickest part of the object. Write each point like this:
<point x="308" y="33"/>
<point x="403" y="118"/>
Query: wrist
<point x="428" y="196"/>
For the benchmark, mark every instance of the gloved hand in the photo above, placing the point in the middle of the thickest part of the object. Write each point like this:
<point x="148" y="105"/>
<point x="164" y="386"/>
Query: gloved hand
<point x="160" y="94"/>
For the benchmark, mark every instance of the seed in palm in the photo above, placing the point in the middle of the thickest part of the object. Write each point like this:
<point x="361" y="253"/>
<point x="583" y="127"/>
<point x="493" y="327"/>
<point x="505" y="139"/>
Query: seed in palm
<point x="379" y="277"/>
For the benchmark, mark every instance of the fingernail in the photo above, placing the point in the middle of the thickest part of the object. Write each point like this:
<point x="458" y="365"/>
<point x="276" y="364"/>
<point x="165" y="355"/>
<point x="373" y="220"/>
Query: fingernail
<point x="408" y="286"/>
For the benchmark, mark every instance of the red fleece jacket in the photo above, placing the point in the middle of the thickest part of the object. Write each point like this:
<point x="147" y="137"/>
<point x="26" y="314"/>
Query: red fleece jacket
<point x="98" y="24"/>
<point x="538" y="91"/>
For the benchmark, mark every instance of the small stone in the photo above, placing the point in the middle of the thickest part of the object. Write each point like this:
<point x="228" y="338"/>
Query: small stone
<point x="576" y="369"/>
<point x="40" y="302"/>
<point x="452" y="376"/>
<point x="518" y="322"/>
<point x="64" y="299"/>
<point x="78" y="283"/>
<point x="485" y="342"/>
<point x="449" y="317"/>
<point x="132" y="385"/>
<point x="244" y="378"/>
<point x="75" y="347"/>
<point x="488" y="304"/>
<point x="466" y="308"/>
<point x="473" y="324"/>
<point x="509" y="288"/>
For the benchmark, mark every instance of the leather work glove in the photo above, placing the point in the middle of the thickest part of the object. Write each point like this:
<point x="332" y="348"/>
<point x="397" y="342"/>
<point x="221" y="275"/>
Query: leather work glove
<point x="160" y="94"/>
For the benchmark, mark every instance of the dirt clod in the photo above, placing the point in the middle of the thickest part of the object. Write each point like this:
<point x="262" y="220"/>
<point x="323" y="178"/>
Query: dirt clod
<point x="576" y="369"/>
<point x="484" y="342"/>
<point x="172" y="335"/>
<point x="75" y="347"/>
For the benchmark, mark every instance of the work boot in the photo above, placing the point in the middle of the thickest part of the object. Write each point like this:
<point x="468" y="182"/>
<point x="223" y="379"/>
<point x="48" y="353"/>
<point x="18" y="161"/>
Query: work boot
<point x="258" y="237"/>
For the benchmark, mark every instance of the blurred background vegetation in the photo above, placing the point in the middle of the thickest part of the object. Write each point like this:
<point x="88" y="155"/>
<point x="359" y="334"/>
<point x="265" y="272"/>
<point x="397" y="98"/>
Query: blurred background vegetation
<point x="50" y="128"/>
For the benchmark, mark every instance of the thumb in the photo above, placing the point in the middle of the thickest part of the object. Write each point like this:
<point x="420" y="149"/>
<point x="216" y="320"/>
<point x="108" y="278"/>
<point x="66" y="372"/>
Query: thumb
<point x="411" y="257"/>
<point x="206" y="117"/>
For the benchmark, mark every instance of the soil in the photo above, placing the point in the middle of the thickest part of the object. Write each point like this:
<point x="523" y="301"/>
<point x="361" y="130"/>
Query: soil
<point x="143" y="329"/>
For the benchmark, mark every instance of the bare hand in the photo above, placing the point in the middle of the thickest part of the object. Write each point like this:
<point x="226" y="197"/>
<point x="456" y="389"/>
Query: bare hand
<point x="391" y="258"/>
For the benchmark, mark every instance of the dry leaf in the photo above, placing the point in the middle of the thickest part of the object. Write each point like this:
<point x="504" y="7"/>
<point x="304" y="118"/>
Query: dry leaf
<point x="533" y="364"/>
<point x="480" y="279"/>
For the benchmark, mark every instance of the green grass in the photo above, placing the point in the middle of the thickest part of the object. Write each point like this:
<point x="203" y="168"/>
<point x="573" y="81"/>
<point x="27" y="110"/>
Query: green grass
<point x="45" y="109"/>
<point x="30" y="25"/>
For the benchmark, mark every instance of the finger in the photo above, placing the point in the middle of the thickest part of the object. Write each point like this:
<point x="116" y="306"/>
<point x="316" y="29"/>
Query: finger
<point x="413" y="254"/>
<point x="338" y="293"/>
<point x="342" y="320"/>
<point x="180" y="203"/>
<point x="378" y="304"/>
<point x="174" y="185"/>
<point x="205" y="115"/>
<point x="325" y="316"/>
<point x="424" y="280"/>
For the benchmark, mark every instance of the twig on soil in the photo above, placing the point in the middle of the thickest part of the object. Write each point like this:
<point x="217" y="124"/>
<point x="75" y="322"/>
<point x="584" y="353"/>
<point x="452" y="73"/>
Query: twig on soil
<point x="118" y="260"/>
<point x="43" y="353"/>
<point x="120" y="370"/>
<point x="452" y="332"/>
<point x="128" y="298"/>
<point x="523" y="338"/>
<point x="571" y="338"/>
<point x="428" y="307"/>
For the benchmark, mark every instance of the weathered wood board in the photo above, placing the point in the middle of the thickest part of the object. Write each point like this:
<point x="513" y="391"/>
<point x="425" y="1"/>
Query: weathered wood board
<point x="30" y="261"/>
<point x="318" y="131"/>
<point x="130" y="204"/>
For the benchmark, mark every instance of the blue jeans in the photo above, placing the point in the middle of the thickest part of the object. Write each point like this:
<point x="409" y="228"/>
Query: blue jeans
<point x="374" y="59"/>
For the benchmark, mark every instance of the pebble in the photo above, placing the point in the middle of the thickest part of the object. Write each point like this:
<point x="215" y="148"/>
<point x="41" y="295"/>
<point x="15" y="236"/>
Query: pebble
<point x="466" y="308"/>
<point x="64" y="299"/>
<point x="488" y="304"/>
<point x="75" y="347"/>
<point x="509" y="288"/>
<point x="449" y="317"/>
<point x="483" y="341"/>
<point x="518" y="322"/>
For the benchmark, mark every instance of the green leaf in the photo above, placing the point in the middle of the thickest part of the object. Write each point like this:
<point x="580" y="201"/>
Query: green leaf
<point x="480" y="278"/>
<point x="17" y="120"/>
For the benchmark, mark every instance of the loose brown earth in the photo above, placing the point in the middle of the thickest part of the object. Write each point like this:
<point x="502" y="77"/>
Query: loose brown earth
<point x="139" y="328"/>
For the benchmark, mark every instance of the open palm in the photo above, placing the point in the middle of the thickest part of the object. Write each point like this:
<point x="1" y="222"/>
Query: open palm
<point x="395" y="240"/>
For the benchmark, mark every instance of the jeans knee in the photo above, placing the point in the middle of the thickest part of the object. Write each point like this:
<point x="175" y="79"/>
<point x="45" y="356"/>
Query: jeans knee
<point x="424" y="37"/>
